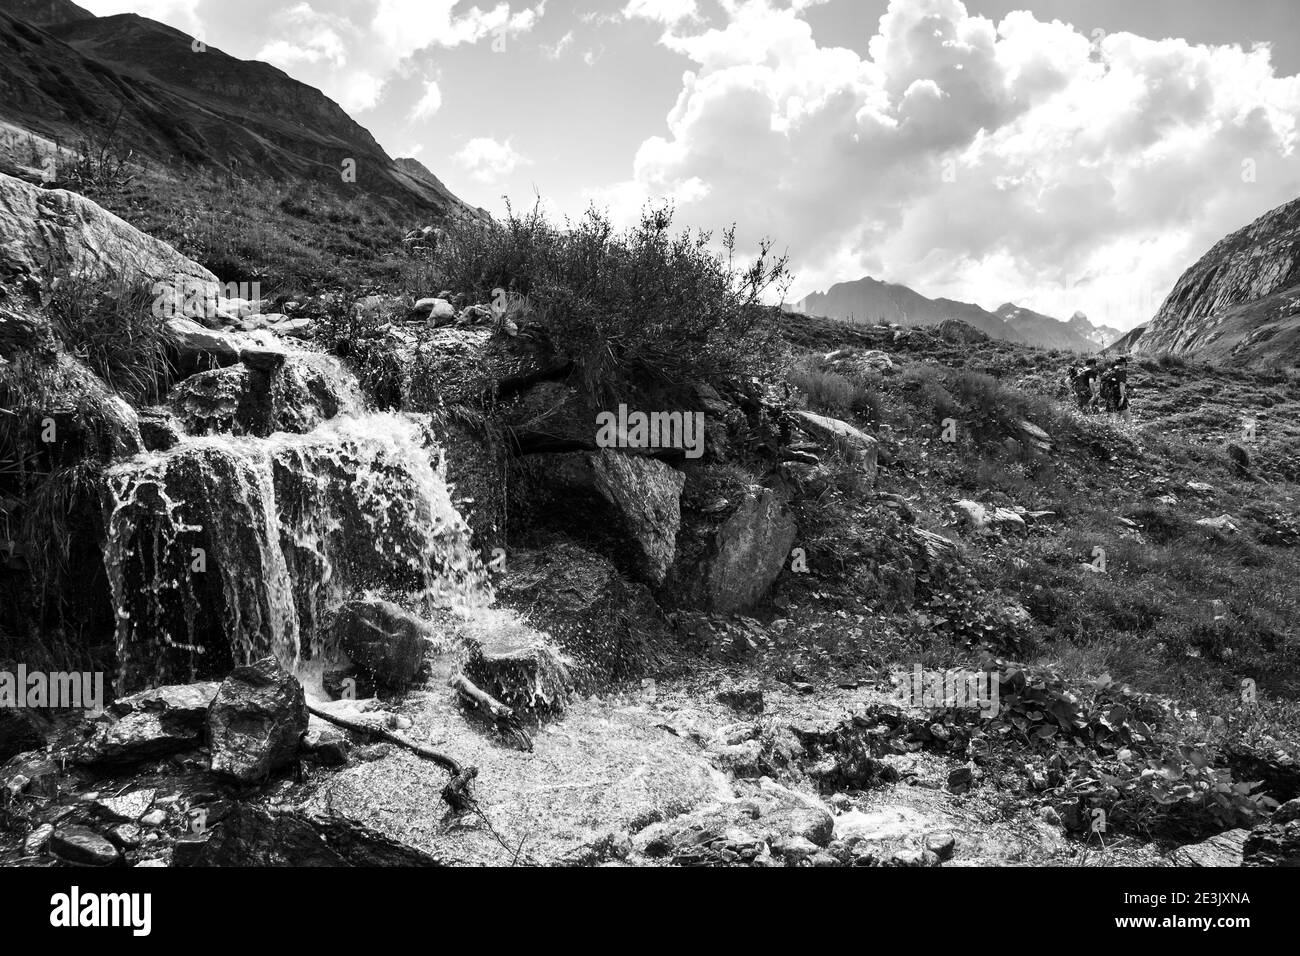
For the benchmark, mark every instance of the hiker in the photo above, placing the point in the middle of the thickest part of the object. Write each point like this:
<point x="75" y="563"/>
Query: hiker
<point x="1086" y="384"/>
<point x="1114" y="388"/>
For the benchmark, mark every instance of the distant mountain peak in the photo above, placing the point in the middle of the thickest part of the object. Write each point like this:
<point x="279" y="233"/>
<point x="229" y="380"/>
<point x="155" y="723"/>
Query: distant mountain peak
<point x="871" y="300"/>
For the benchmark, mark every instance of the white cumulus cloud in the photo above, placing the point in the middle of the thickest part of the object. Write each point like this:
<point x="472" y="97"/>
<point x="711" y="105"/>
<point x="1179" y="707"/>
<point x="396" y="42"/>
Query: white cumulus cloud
<point x="489" y="161"/>
<point x="991" y="161"/>
<point x="429" y="103"/>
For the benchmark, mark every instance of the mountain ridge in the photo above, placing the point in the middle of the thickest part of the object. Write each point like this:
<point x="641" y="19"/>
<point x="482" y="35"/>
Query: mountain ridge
<point x="873" y="300"/>
<point x="68" y="74"/>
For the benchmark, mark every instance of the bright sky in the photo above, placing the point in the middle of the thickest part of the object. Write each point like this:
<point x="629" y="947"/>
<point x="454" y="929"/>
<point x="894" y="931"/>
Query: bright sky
<point x="1061" y="154"/>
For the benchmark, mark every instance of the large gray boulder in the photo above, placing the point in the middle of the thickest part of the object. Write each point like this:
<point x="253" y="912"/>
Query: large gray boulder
<point x="65" y="233"/>
<point x="256" y="721"/>
<point x="523" y="671"/>
<point x="387" y="642"/>
<point x="647" y="493"/>
<point x="747" y="553"/>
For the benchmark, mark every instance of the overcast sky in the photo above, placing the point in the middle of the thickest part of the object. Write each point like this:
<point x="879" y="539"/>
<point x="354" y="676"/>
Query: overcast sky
<point x="1061" y="154"/>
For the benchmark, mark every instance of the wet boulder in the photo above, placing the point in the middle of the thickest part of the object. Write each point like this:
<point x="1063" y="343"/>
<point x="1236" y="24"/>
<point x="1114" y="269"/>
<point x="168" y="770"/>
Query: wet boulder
<point x="193" y="348"/>
<point x="522" y="671"/>
<point x="256" y="721"/>
<point x="159" y="429"/>
<point x="82" y="846"/>
<point x="600" y="620"/>
<point x="186" y="704"/>
<point x="154" y="723"/>
<point x="385" y="641"/>
<point x="223" y="400"/>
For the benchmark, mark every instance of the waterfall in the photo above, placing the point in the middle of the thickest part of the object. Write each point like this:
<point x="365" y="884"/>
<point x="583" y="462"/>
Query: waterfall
<point x="227" y="547"/>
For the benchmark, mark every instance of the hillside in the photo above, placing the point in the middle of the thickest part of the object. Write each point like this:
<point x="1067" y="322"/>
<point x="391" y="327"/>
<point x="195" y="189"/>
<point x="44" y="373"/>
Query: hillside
<point x="1240" y="302"/>
<point x="179" y="107"/>
<point x="869" y="300"/>
<point x="639" y="651"/>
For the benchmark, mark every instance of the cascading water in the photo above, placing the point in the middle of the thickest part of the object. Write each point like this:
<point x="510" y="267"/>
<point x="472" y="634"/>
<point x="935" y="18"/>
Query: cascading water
<point x="225" y="548"/>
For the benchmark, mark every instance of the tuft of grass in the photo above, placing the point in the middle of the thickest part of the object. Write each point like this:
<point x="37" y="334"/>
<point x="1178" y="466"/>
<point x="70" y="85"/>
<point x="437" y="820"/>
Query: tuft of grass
<point x="111" y="327"/>
<point x="835" y="394"/>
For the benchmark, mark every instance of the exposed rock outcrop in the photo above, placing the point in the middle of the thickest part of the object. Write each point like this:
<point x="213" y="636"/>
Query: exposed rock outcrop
<point x="57" y="233"/>
<point x="1240" y="300"/>
<point x="747" y="553"/>
<point x="647" y="493"/>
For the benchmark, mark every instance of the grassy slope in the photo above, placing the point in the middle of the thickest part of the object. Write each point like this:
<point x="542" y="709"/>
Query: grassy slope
<point x="1184" y="611"/>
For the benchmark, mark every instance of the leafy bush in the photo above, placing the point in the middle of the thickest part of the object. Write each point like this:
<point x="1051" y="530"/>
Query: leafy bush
<point x="639" y="309"/>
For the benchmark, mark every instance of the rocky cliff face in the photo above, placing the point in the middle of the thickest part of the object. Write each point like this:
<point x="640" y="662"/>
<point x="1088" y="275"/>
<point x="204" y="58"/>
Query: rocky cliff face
<point x="1241" y="301"/>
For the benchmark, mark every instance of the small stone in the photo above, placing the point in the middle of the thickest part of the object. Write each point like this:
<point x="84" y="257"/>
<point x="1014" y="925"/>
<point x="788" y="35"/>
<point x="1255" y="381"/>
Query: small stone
<point x="961" y="780"/>
<point x="914" y="858"/>
<point x="942" y="845"/>
<point x="127" y="808"/>
<point x="743" y="700"/>
<point x="35" y="841"/>
<point x="1050" y="816"/>
<point x="1287" y="812"/>
<point x="126" y="835"/>
<point x="794" y="848"/>
<point x="154" y="818"/>
<point x="83" y="846"/>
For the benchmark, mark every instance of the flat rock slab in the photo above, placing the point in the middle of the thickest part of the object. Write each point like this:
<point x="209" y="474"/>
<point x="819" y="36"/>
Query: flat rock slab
<point x="604" y="769"/>
<point x="1223" y="849"/>
<point x="188" y="703"/>
<point x="127" y="808"/>
<point x="139" y="736"/>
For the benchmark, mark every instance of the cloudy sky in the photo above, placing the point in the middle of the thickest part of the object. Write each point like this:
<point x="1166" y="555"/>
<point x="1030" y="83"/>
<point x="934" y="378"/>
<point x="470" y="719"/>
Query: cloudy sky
<point x="1062" y="154"/>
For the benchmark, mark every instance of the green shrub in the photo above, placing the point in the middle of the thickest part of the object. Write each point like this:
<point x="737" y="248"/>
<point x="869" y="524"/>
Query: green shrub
<point x="644" y="308"/>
